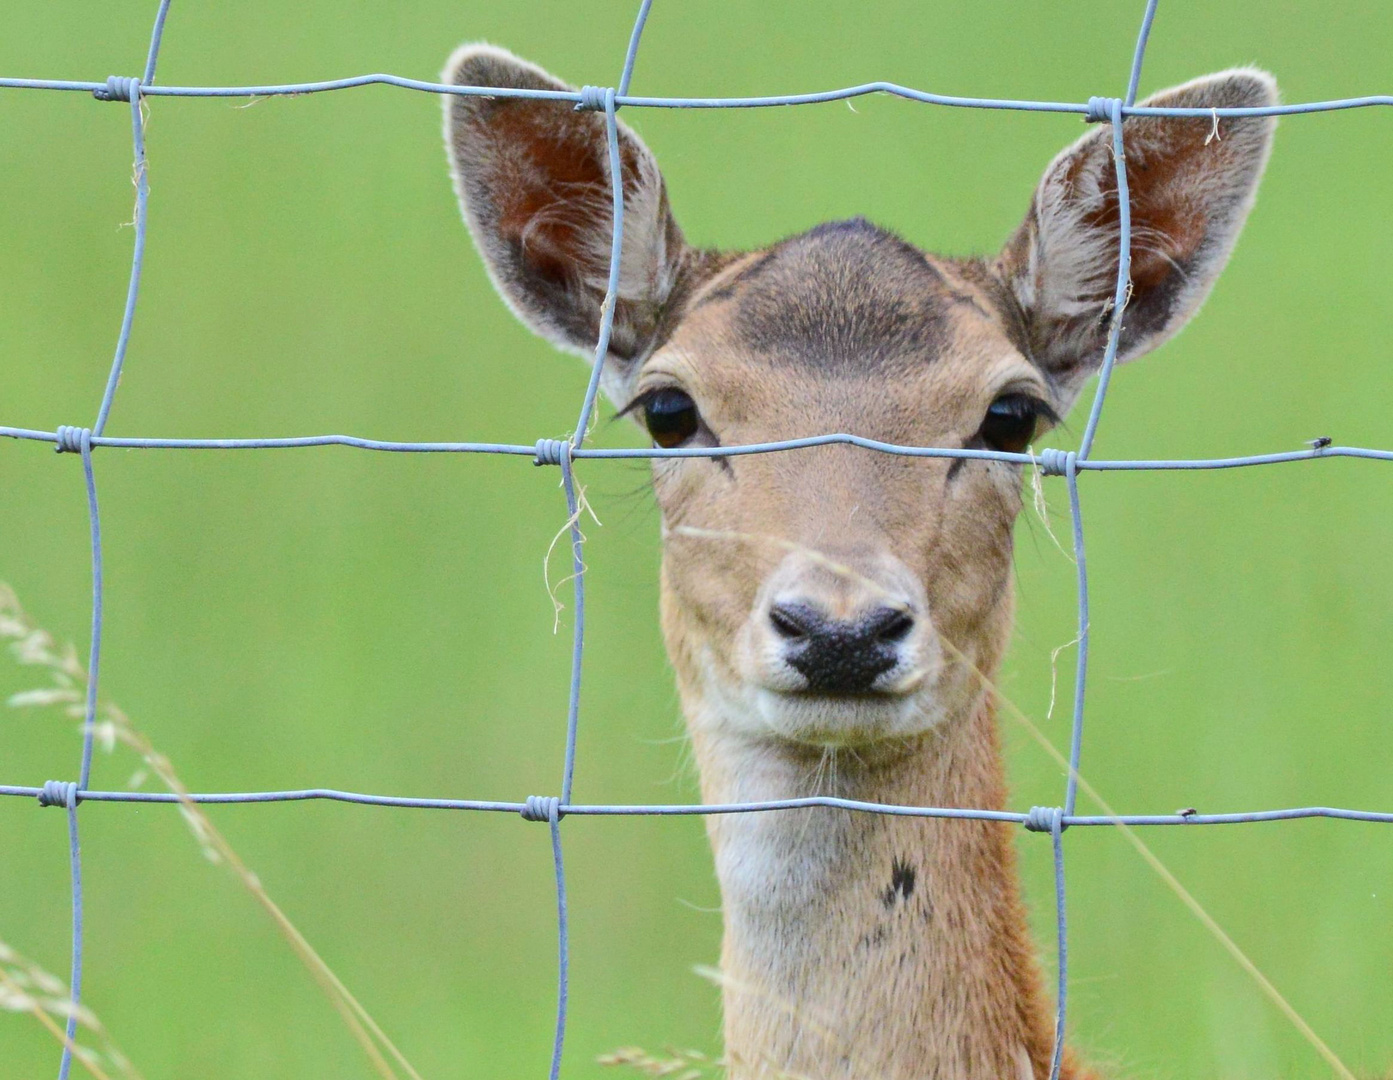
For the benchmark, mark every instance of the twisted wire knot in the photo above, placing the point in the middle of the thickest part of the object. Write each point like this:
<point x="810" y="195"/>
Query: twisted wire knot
<point x="1100" y="109"/>
<point x="1045" y="819"/>
<point x="59" y="793"/>
<point x="1058" y="462"/>
<point x="542" y="808"/>
<point x="552" y="451"/>
<point x="118" y="88"/>
<point x="593" y="98"/>
<point x="73" y="440"/>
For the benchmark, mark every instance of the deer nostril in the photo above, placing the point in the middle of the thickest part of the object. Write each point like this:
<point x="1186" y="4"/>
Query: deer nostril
<point x="792" y="621"/>
<point x="894" y="625"/>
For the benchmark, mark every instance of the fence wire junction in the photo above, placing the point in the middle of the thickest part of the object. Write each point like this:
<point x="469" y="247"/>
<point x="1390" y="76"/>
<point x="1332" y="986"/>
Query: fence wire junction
<point x="82" y="441"/>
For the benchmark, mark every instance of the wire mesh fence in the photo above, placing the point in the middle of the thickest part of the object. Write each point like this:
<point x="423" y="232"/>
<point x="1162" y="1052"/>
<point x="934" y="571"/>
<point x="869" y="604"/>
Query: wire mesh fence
<point x="562" y="454"/>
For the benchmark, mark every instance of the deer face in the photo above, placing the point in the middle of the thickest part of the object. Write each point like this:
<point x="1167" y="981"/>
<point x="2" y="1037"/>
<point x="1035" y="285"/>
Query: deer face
<point x="834" y="596"/>
<point x="812" y="593"/>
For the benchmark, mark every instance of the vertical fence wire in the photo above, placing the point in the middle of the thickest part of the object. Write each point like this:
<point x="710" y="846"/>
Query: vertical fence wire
<point x="131" y="88"/>
<point x="1061" y="943"/>
<point x="573" y="510"/>
<point x="1119" y="306"/>
<point x="75" y="967"/>
<point x="563" y="453"/>
<point x="94" y="656"/>
<point x="616" y="181"/>
<point x="1071" y="781"/>
<point x="563" y="925"/>
<point x="563" y="941"/>
<point x="1124" y="278"/>
<point x="631" y="54"/>
<point x="1139" y="54"/>
<point x="156" y="36"/>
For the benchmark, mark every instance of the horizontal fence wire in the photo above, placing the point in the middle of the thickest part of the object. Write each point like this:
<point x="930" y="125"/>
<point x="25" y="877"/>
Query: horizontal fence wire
<point x="411" y="802"/>
<point x="563" y="453"/>
<point x="577" y="97"/>
<point x="1049" y="462"/>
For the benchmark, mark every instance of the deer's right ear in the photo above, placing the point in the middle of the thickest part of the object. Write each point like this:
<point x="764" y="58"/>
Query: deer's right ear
<point x="533" y="180"/>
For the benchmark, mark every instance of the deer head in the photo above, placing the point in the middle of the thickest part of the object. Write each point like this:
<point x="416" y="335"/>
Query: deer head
<point x="807" y="596"/>
<point x="836" y="598"/>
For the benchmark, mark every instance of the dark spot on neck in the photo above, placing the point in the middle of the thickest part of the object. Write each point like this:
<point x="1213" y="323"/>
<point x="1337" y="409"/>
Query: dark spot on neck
<point x="902" y="878"/>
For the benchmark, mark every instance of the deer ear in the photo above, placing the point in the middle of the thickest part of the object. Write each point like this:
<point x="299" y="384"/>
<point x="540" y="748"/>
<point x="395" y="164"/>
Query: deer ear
<point x="533" y="180"/>
<point x="1192" y="182"/>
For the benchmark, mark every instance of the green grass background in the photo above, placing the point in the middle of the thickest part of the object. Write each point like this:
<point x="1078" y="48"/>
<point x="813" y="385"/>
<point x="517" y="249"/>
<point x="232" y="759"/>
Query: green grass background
<point x="379" y="623"/>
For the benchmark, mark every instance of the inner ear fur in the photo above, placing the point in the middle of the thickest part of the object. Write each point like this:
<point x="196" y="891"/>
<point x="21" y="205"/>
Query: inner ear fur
<point x="1192" y="181"/>
<point x="533" y="179"/>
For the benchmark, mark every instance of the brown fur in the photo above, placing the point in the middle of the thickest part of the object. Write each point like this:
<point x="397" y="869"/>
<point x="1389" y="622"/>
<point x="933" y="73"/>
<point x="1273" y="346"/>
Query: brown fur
<point x="858" y="946"/>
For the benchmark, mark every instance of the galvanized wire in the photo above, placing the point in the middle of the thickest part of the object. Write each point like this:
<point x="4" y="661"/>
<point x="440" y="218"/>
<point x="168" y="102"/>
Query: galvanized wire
<point x="831" y="802"/>
<point x="563" y="453"/>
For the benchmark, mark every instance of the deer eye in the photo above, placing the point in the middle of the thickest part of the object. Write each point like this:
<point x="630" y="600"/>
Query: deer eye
<point x="1010" y="422"/>
<point x="670" y="416"/>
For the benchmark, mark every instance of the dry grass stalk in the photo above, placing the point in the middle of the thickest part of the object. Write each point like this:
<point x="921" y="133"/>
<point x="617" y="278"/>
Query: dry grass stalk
<point x="1041" y="507"/>
<point x="676" y="1064"/>
<point x="32" y="645"/>
<point x="1163" y="872"/>
<point x="583" y="508"/>
<point x="680" y="1064"/>
<point x="27" y="987"/>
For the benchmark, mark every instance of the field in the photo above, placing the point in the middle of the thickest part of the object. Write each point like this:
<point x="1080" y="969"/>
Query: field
<point x="381" y="623"/>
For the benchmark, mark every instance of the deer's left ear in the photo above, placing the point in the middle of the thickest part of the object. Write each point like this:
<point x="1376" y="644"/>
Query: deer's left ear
<point x="1192" y="182"/>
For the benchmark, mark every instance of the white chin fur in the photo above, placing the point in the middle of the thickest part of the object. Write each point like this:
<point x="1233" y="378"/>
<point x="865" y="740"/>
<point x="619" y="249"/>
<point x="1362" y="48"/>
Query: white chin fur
<point x="760" y="712"/>
<point x="817" y="720"/>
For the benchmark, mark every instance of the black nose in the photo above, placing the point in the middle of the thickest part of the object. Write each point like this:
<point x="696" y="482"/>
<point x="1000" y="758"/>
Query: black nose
<point x="838" y="657"/>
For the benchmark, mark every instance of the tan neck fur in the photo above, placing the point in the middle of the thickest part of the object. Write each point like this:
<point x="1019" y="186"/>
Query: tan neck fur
<point x="866" y="947"/>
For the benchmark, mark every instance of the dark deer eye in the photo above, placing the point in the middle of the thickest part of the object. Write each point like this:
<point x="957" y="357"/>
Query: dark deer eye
<point x="671" y="417"/>
<point x="1010" y="422"/>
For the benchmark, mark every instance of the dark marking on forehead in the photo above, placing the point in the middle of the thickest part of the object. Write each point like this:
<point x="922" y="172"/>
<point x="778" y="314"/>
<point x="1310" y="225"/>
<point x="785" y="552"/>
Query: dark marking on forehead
<point x="1011" y="318"/>
<point x="728" y="288"/>
<point x="842" y="298"/>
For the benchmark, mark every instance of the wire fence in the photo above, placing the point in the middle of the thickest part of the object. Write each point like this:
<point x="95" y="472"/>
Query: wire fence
<point x="563" y="454"/>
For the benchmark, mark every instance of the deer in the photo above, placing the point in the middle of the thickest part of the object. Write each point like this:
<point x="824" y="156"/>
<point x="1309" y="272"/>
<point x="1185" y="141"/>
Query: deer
<point x="835" y="616"/>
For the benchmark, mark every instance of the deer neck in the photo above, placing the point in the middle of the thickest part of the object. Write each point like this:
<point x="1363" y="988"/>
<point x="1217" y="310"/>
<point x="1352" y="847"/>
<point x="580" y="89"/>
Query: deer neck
<point x="863" y="946"/>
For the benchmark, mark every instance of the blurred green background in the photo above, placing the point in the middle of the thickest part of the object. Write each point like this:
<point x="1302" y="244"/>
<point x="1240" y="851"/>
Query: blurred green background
<point x="379" y="623"/>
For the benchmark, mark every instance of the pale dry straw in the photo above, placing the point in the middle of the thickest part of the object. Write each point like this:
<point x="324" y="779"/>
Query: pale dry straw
<point x="32" y="645"/>
<point x="27" y="987"/>
<point x="1211" y="924"/>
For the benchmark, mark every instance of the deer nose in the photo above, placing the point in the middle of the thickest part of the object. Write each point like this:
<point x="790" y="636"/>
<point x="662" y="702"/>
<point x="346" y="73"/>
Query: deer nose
<point x="838" y="656"/>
